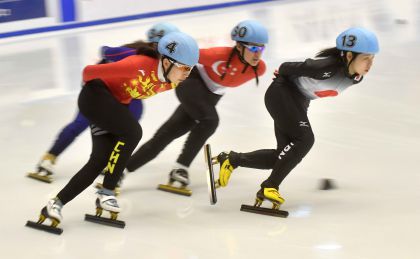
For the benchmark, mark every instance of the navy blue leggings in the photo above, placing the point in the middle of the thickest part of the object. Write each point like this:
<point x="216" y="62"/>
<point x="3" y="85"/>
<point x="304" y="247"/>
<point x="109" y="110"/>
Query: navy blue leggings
<point x="69" y="133"/>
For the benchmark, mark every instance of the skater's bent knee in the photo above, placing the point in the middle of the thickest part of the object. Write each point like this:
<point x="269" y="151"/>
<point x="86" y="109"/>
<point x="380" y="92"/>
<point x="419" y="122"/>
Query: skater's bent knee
<point x="210" y="125"/>
<point x="136" y="134"/>
<point x="308" y="140"/>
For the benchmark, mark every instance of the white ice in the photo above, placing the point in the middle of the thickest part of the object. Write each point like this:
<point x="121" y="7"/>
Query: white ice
<point x="367" y="140"/>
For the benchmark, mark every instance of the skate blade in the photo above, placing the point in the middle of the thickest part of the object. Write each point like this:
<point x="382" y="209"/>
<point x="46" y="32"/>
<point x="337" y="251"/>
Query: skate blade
<point x="265" y="211"/>
<point x="39" y="226"/>
<point x="176" y="190"/>
<point x="211" y="187"/>
<point x="210" y="175"/>
<point x="42" y="178"/>
<point x="105" y="221"/>
<point x="99" y="186"/>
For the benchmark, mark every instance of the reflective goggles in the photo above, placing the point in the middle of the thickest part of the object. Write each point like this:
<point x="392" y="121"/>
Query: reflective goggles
<point x="183" y="67"/>
<point x="254" y="48"/>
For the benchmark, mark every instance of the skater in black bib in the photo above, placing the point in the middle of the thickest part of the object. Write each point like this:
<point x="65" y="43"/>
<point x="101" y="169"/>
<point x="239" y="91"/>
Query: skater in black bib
<point x="287" y="100"/>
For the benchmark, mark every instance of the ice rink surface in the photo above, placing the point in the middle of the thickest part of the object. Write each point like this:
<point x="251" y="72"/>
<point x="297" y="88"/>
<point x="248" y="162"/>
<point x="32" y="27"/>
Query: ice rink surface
<point x="367" y="140"/>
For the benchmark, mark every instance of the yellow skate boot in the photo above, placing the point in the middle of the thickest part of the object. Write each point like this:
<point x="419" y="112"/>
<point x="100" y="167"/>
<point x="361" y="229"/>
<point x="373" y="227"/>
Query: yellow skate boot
<point x="226" y="169"/>
<point x="271" y="194"/>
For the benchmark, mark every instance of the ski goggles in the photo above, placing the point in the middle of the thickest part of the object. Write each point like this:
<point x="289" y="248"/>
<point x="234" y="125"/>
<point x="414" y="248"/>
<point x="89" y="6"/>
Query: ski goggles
<point x="254" y="48"/>
<point x="183" y="67"/>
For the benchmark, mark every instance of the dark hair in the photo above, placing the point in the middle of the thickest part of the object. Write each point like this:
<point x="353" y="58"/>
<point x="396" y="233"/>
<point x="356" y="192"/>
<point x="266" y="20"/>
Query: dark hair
<point x="334" y="52"/>
<point x="329" y="52"/>
<point x="144" y="48"/>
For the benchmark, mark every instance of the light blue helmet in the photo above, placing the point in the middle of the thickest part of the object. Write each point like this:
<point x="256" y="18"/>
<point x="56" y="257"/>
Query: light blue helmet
<point x="159" y="30"/>
<point x="179" y="47"/>
<point x="250" y="31"/>
<point x="358" y="40"/>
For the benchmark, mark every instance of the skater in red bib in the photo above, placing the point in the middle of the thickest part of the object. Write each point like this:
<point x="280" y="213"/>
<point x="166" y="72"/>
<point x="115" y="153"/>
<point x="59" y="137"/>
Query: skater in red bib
<point x="115" y="132"/>
<point x="219" y="69"/>
<point x="46" y="166"/>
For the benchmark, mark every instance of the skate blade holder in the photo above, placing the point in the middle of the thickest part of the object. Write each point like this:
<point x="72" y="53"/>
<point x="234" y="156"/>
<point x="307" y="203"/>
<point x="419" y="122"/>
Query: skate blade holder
<point x="265" y="211"/>
<point x="211" y="184"/>
<point x="40" y="226"/>
<point x="105" y="221"/>
<point x="42" y="178"/>
<point x="172" y="189"/>
<point x="214" y="160"/>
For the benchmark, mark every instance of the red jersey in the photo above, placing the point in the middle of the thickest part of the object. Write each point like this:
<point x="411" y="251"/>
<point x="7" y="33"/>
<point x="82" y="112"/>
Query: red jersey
<point x="135" y="77"/>
<point x="212" y="65"/>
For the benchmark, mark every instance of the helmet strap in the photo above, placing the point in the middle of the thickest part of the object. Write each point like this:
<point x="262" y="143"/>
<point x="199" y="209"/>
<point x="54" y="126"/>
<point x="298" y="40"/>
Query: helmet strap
<point x="241" y="58"/>
<point x="256" y="74"/>
<point x="232" y="53"/>
<point x="347" y="64"/>
<point x="166" y="72"/>
<point x="243" y="55"/>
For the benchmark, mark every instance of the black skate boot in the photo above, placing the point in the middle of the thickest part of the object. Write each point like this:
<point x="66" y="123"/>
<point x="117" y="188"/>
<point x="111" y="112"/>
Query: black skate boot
<point x="180" y="176"/>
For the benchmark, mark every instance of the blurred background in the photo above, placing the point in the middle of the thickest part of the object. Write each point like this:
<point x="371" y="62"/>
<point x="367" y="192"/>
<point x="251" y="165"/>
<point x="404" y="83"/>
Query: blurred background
<point x="367" y="139"/>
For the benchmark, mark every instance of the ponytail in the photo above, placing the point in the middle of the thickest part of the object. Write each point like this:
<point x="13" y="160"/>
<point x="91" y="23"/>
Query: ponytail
<point x="144" y="48"/>
<point x="329" y="52"/>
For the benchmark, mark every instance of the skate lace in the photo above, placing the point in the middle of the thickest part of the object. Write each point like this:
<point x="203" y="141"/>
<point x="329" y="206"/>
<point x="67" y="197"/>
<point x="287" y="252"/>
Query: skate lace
<point x="56" y="208"/>
<point x="229" y="167"/>
<point x="109" y="200"/>
<point x="112" y="201"/>
<point x="182" y="173"/>
<point x="275" y="192"/>
<point x="224" y="160"/>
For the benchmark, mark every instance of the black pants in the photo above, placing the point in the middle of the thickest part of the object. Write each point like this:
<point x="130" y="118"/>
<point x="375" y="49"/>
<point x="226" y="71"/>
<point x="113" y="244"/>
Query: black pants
<point x="115" y="134"/>
<point x="196" y="114"/>
<point x="288" y="108"/>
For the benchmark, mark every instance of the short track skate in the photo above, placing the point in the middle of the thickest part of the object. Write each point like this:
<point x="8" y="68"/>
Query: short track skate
<point x="112" y="221"/>
<point x="48" y="228"/>
<point x="170" y="187"/>
<point x="41" y="175"/>
<point x="210" y="174"/>
<point x="274" y="211"/>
